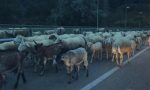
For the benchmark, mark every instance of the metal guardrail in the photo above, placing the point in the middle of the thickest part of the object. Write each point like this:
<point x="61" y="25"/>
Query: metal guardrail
<point x="34" y="27"/>
<point x="69" y="29"/>
<point x="6" y="39"/>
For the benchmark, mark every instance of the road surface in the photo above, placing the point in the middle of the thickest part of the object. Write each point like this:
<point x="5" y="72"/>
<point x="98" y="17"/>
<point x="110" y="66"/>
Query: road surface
<point x="132" y="76"/>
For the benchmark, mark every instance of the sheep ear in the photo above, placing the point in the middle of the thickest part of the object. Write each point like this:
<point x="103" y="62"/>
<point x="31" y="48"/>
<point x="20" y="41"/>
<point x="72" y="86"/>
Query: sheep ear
<point x="35" y="42"/>
<point x="62" y="59"/>
<point x="53" y="37"/>
<point x="22" y="41"/>
<point x="59" y="45"/>
<point x="41" y="44"/>
<point x="28" y="45"/>
<point x="60" y="41"/>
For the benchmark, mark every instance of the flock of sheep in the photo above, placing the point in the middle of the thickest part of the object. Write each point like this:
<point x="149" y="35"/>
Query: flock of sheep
<point x="76" y="49"/>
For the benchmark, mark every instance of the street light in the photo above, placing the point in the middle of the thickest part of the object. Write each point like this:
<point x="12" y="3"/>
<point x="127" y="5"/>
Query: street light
<point x="140" y="17"/>
<point x="126" y="15"/>
<point x="97" y="13"/>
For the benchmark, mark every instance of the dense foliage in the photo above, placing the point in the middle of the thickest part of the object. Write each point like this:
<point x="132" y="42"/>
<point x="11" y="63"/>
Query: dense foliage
<point x="76" y="12"/>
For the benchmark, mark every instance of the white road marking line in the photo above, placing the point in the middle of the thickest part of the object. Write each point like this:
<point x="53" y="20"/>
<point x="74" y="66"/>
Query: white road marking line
<point x="110" y="72"/>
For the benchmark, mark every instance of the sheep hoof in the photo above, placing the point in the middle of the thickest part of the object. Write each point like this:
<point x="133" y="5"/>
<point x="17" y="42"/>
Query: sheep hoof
<point x="73" y="76"/>
<point x="35" y="70"/>
<point x="120" y="65"/>
<point x="15" y="87"/>
<point x="69" y="82"/>
<point x="4" y="77"/>
<point x="42" y="73"/>
<point x="128" y="61"/>
<point x="87" y="75"/>
<point x="77" y="78"/>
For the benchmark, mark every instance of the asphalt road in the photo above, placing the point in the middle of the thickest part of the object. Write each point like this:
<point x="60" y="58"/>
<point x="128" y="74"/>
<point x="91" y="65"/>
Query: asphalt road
<point x="133" y="76"/>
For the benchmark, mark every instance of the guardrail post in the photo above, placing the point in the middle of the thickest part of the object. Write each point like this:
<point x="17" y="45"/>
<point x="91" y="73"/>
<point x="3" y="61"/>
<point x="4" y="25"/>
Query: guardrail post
<point x="30" y="32"/>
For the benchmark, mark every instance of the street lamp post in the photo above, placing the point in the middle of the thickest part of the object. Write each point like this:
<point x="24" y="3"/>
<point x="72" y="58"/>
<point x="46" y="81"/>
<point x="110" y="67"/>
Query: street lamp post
<point x="140" y="17"/>
<point x="126" y="15"/>
<point x="97" y="13"/>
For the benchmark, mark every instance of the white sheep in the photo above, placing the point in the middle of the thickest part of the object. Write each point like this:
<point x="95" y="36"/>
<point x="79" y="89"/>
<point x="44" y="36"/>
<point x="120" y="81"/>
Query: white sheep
<point x="37" y="33"/>
<point x="72" y="43"/>
<point x="73" y="59"/>
<point x="121" y="46"/>
<point x="107" y="45"/>
<point x="87" y="33"/>
<point x="96" y="50"/>
<point x="48" y="32"/>
<point x="106" y="35"/>
<point x="138" y="42"/>
<point x="93" y="38"/>
<point x="3" y="34"/>
<point x="8" y="45"/>
<point x="39" y="39"/>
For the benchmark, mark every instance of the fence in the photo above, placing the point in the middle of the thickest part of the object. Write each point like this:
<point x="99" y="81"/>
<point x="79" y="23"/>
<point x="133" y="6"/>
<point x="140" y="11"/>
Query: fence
<point x="68" y="29"/>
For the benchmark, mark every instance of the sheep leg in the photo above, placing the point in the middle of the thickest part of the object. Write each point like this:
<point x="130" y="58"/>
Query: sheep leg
<point x="132" y="52"/>
<point x="44" y="66"/>
<point x="78" y="68"/>
<point x="98" y="56"/>
<point x="33" y="58"/>
<point x="56" y="65"/>
<point x="16" y="84"/>
<point x="121" y="58"/>
<point x="87" y="71"/>
<point x="36" y="63"/>
<point x="19" y="71"/>
<point x="101" y="54"/>
<point x="23" y="77"/>
<point x="107" y="54"/>
<point x="117" y="59"/>
<point x="86" y="65"/>
<point x="113" y="56"/>
<point x="140" y="45"/>
<point x="70" y="77"/>
<point x="92" y="57"/>
<point x="129" y="56"/>
<point x="69" y="69"/>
